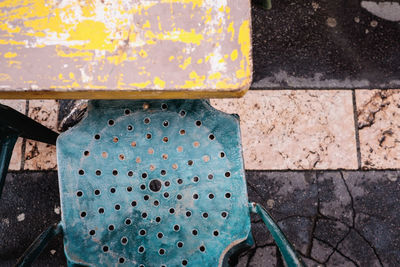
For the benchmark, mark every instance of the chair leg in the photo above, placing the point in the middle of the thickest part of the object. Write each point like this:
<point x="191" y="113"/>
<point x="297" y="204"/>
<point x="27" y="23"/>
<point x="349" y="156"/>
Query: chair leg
<point x="266" y="4"/>
<point x="25" y="126"/>
<point x="286" y="249"/>
<point x="38" y="245"/>
<point x="7" y="142"/>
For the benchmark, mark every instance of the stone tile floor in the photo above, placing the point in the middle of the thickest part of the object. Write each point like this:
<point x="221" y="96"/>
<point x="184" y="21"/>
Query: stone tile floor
<point x="281" y="129"/>
<point x="333" y="218"/>
<point x="326" y="164"/>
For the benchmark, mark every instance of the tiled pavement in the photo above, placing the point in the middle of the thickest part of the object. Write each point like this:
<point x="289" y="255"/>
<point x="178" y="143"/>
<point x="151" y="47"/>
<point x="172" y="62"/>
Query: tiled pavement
<point x="326" y="164"/>
<point x="333" y="218"/>
<point x="281" y="130"/>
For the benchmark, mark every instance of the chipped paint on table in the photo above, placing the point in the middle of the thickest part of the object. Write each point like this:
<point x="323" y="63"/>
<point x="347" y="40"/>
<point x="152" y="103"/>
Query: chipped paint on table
<point x="124" y="48"/>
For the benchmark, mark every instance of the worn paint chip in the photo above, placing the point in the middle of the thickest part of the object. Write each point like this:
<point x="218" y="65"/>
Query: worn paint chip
<point x="191" y="45"/>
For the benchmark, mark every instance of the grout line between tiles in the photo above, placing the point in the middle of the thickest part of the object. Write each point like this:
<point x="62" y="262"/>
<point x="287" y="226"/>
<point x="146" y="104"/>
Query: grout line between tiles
<point x="356" y="128"/>
<point x="23" y="146"/>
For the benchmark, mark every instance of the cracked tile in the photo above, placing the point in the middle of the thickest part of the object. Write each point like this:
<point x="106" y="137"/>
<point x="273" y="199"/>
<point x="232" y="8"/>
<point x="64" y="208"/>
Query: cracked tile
<point x="295" y="129"/>
<point x="330" y="231"/>
<point x="320" y="251"/>
<point x="293" y="193"/>
<point x="261" y="235"/>
<point x="311" y="263"/>
<point x="376" y="201"/>
<point x="264" y="256"/>
<point x="15" y="163"/>
<point x="300" y="239"/>
<point x="338" y="260"/>
<point x="376" y="198"/>
<point x="378" y="113"/>
<point x="41" y="156"/>
<point x="357" y="249"/>
<point x="334" y="199"/>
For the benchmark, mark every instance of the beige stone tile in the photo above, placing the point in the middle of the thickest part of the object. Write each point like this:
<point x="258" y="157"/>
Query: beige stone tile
<point x="378" y="113"/>
<point x="19" y="105"/>
<point x="15" y="162"/>
<point x="297" y="129"/>
<point x="41" y="156"/>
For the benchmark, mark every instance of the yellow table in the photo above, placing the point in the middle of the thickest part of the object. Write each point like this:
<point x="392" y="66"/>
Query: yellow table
<point x="124" y="49"/>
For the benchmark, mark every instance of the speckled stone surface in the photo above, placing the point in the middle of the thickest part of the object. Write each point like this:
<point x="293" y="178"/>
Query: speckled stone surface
<point x="19" y="105"/>
<point x="41" y="156"/>
<point x="295" y="129"/>
<point x="333" y="218"/>
<point x="378" y="114"/>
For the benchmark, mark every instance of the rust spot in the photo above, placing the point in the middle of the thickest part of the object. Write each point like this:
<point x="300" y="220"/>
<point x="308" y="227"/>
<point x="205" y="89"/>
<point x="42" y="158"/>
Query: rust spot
<point x="121" y="156"/>
<point x="138" y="160"/>
<point x="182" y="132"/>
<point x="165" y="139"/>
<point x="146" y="106"/>
<point x="196" y="144"/>
<point x="152" y="167"/>
<point x="133" y="144"/>
<point x="174" y="166"/>
<point x="165" y="156"/>
<point x="104" y="154"/>
<point x="151" y="151"/>
<point x="180" y="149"/>
<point x="206" y="158"/>
<point x="115" y="139"/>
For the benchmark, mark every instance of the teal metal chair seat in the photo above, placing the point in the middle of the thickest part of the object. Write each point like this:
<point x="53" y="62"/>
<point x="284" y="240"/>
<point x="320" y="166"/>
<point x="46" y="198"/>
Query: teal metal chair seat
<point x="154" y="183"/>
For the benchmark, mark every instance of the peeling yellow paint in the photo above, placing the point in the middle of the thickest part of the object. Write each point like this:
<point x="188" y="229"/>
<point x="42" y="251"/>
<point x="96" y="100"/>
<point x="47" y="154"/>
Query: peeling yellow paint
<point x="10" y="55"/>
<point x="234" y="55"/>
<point x="159" y="83"/>
<point x="118" y="59"/>
<point x="4" y="77"/>
<point x="215" y="76"/>
<point x="141" y="85"/>
<point x="86" y="55"/>
<point x="186" y="63"/>
<point x="146" y="25"/>
<point x="195" y="81"/>
<point x="244" y="41"/>
<point x="231" y="30"/>
<point x="143" y="53"/>
<point x="92" y="38"/>
<point x="14" y="63"/>
<point x="194" y="3"/>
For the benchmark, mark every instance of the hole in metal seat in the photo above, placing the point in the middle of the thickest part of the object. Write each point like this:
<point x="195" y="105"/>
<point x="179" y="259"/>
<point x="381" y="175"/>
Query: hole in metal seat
<point x="156" y="171"/>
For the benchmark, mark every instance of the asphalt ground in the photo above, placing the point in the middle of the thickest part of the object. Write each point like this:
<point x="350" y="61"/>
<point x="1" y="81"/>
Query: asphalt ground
<point x="333" y="218"/>
<point x="325" y="44"/>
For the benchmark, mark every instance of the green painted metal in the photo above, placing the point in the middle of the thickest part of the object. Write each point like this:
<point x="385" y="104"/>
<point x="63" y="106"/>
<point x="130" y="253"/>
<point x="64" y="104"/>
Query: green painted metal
<point x="286" y="249"/>
<point x="7" y="142"/>
<point x="38" y="245"/>
<point x="152" y="183"/>
<point x="267" y="4"/>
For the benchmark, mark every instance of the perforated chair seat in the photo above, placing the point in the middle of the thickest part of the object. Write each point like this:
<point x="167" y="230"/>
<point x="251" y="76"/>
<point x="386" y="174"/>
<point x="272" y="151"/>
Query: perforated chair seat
<point x="157" y="183"/>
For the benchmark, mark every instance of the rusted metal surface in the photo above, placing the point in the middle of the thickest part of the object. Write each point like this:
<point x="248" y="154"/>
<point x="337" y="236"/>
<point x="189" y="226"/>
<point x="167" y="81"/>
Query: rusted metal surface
<point x="124" y="48"/>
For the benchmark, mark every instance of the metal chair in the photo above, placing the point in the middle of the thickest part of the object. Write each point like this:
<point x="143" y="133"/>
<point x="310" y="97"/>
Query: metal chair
<point x="13" y="125"/>
<point x="154" y="183"/>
